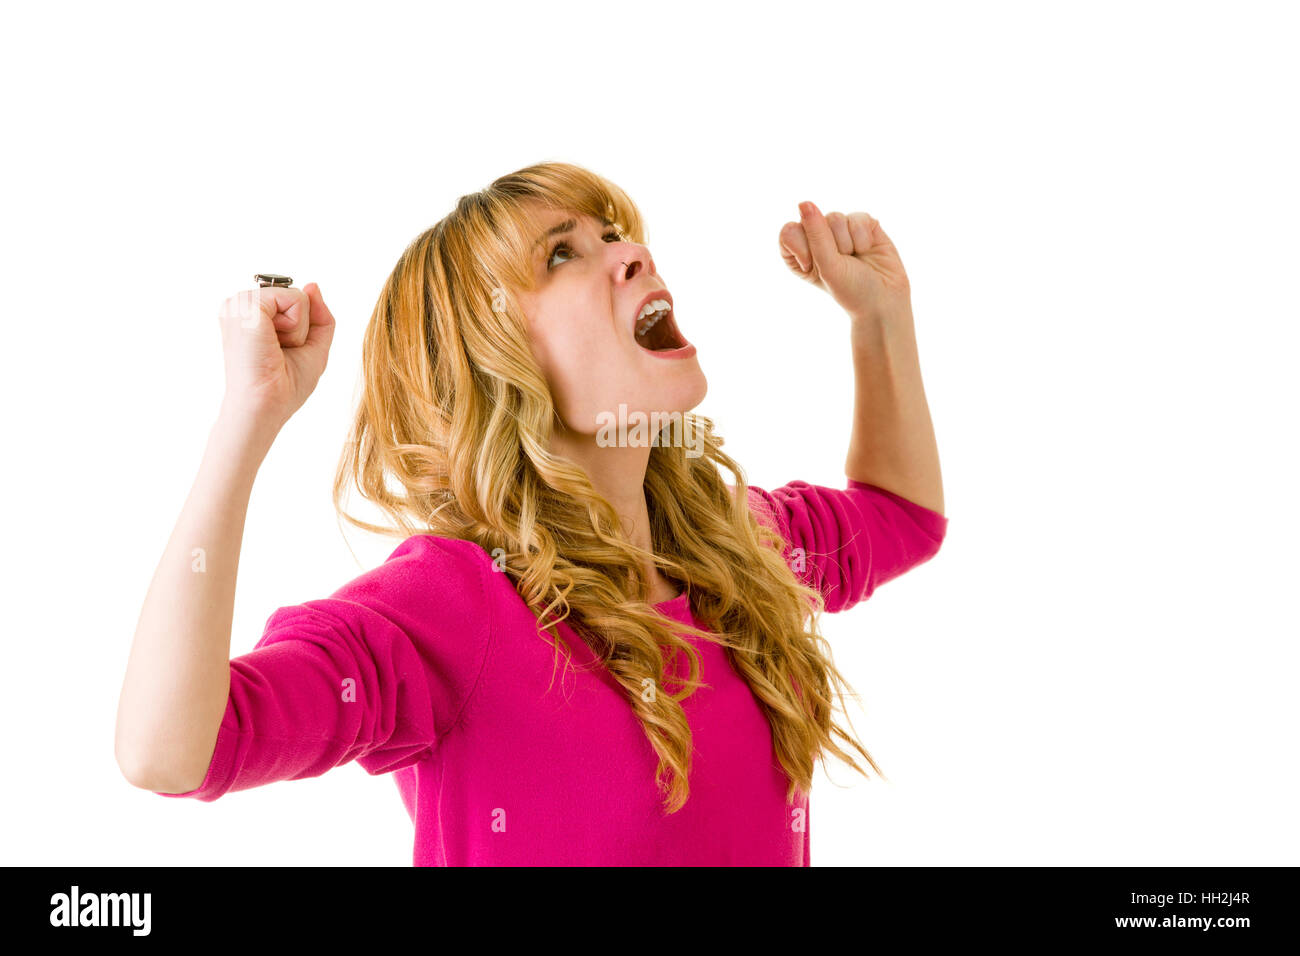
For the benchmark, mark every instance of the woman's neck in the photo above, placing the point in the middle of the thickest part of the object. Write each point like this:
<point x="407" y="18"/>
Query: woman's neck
<point x="618" y="475"/>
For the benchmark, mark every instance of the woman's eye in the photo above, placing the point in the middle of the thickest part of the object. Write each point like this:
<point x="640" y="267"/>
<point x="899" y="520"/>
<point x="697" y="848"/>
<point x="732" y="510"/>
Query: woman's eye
<point x="612" y="235"/>
<point x="559" y="247"/>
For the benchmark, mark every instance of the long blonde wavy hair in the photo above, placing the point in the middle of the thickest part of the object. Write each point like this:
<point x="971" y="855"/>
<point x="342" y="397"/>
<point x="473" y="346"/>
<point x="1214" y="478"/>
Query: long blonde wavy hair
<point x="457" y="411"/>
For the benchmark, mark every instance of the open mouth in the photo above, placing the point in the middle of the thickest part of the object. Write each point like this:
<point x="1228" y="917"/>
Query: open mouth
<point x="655" y="329"/>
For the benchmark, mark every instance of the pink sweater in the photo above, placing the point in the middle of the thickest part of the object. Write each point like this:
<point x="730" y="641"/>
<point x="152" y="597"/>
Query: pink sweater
<point x="430" y="667"/>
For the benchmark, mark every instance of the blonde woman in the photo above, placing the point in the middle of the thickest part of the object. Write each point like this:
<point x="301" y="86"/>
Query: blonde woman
<point x="588" y="647"/>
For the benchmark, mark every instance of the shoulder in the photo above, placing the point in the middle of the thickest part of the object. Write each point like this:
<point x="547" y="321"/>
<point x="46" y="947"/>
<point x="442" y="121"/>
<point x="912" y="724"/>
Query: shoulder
<point x="455" y="562"/>
<point x="765" y="506"/>
<point x="426" y="582"/>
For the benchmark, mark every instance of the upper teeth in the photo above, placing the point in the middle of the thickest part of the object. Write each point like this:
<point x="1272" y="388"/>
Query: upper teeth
<point x="661" y="306"/>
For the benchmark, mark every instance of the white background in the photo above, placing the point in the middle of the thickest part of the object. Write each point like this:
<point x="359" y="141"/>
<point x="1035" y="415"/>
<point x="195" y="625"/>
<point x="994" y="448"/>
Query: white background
<point x="1097" y="206"/>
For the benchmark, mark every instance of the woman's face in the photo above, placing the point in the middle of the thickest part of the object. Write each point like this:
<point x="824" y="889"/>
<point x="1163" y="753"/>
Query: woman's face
<point x="583" y="321"/>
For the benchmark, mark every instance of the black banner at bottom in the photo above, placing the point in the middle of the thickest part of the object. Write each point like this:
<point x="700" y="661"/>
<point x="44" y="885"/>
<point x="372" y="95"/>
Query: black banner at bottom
<point x="1222" y="906"/>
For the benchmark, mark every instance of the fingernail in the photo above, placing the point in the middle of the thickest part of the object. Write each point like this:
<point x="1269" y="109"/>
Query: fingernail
<point x="806" y="208"/>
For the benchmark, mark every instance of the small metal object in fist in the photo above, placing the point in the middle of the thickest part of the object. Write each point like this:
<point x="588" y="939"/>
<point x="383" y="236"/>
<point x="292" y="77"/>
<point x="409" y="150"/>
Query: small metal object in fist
<point x="265" y="279"/>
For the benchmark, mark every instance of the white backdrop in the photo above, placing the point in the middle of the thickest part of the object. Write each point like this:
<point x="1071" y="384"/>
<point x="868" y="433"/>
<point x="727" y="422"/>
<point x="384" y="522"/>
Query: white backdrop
<point x="1097" y="207"/>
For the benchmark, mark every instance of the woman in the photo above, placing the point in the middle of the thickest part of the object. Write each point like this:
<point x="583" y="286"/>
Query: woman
<point x="696" y="692"/>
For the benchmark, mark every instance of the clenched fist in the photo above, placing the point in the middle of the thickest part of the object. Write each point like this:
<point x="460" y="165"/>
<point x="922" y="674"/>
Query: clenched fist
<point x="276" y="343"/>
<point x="850" y="257"/>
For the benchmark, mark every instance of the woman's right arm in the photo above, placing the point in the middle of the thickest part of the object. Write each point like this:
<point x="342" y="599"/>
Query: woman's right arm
<point x="178" y="674"/>
<point x="177" y="680"/>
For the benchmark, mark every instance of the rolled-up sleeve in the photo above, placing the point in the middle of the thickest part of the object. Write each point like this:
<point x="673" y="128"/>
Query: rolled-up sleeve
<point x="340" y="679"/>
<point x="846" y="542"/>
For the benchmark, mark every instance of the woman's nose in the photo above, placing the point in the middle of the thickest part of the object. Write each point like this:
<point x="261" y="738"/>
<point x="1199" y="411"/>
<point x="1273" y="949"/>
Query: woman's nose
<point x="637" y="261"/>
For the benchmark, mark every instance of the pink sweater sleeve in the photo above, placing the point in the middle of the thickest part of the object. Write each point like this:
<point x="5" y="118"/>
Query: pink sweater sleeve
<point x="376" y="673"/>
<point x="847" y="542"/>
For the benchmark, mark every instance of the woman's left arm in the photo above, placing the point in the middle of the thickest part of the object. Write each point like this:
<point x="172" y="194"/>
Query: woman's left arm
<point x="893" y="445"/>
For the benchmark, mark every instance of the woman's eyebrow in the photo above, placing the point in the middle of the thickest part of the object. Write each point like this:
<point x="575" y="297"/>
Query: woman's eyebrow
<point x="567" y="226"/>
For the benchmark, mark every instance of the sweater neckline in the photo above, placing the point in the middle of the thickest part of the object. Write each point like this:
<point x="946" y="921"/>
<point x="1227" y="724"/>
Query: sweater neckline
<point x="672" y="601"/>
